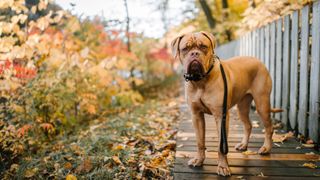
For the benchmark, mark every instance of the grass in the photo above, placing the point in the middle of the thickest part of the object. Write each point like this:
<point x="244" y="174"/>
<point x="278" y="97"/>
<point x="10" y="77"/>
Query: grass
<point x="136" y="143"/>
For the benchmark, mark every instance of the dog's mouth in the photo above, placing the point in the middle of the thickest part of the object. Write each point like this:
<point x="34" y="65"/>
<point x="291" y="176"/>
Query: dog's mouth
<point x="195" y="68"/>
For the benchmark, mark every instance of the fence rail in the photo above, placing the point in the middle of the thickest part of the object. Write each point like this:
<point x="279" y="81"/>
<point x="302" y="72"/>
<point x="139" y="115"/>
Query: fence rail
<point x="290" y="49"/>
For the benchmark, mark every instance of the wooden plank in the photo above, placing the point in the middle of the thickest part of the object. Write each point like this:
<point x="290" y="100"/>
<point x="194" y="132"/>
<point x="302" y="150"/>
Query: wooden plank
<point x="247" y="44"/>
<point x="257" y="47"/>
<point x="278" y="68"/>
<point x="267" y="171"/>
<point x="254" y="44"/>
<point x="315" y="74"/>
<point x="274" y="150"/>
<point x="267" y="47"/>
<point x="304" y="69"/>
<point x="241" y="46"/>
<point x="286" y="71"/>
<point x="287" y="157"/>
<point x="262" y="45"/>
<point x="250" y="44"/>
<point x="187" y="176"/>
<point x="272" y="61"/>
<point x="250" y="163"/>
<point x="294" y="70"/>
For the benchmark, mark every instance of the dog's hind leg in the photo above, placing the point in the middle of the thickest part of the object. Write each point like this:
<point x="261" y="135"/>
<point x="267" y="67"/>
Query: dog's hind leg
<point x="243" y="111"/>
<point x="263" y="109"/>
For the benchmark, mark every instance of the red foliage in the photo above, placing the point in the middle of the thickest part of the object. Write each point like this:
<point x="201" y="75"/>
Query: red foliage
<point x="161" y="54"/>
<point x="21" y="72"/>
<point x="23" y="130"/>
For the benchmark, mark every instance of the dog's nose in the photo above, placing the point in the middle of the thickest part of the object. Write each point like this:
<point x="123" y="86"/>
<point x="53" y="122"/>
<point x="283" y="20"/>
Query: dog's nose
<point x="195" y="54"/>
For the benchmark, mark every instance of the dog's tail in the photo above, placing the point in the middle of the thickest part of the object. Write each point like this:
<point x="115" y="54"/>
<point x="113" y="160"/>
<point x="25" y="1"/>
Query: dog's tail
<point x="276" y="110"/>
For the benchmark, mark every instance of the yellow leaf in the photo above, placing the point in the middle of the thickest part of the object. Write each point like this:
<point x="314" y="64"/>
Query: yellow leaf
<point x="116" y="160"/>
<point x="310" y="165"/>
<point x="30" y="172"/>
<point x="248" y="152"/>
<point x="71" y="177"/>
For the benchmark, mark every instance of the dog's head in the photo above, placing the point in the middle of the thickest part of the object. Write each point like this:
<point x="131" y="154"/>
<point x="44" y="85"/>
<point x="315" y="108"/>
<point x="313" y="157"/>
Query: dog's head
<point x="195" y="51"/>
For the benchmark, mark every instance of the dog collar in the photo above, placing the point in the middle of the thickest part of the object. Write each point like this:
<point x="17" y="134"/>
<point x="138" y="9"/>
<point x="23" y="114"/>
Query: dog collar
<point x="197" y="77"/>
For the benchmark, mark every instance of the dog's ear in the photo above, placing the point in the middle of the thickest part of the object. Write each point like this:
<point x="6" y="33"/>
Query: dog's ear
<point x="175" y="47"/>
<point x="211" y="38"/>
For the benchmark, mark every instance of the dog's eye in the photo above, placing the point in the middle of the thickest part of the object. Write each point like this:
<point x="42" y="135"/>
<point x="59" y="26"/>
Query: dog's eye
<point x="203" y="47"/>
<point x="184" y="49"/>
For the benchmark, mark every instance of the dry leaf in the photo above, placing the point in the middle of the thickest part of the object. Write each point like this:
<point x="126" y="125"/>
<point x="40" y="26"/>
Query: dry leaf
<point x="311" y="155"/>
<point x="255" y="124"/>
<point x="30" y="172"/>
<point x="184" y="138"/>
<point x="71" y="177"/>
<point x="180" y="145"/>
<point x="86" y="166"/>
<point x="248" y="152"/>
<point x="68" y="165"/>
<point x="308" y="145"/>
<point x="310" y="165"/>
<point x="116" y="160"/>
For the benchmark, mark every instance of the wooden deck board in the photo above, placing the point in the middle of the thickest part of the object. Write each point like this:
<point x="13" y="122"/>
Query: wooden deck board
<point x="285" y="161"/>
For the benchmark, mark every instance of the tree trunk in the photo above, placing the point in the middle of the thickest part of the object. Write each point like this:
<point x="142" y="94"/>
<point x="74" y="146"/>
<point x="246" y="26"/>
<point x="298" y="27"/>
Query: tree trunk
<point x="207" y="11"/>
<point x="252" y="4"/>
<point x="225" y="12"/>
<point x="128" y="25"/>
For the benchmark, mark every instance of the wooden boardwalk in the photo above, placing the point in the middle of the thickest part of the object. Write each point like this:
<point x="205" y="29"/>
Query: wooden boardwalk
<point x="285" y="161"/>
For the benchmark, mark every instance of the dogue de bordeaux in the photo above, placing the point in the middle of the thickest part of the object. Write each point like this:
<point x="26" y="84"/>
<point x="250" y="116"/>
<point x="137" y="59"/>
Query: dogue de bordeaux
<point x="213" y="85"/>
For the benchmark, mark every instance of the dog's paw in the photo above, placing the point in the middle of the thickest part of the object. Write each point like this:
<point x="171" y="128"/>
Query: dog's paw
<point x="223" y="170"/>
<point x="195" y="162"/>
<point x="264" y="150"/>
<point x="241" y="147"/>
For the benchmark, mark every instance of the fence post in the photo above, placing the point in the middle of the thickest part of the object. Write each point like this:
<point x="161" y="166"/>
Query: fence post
<point x="294" y="70"/>
<point x="262" y="47"/>
<point x="272" y="61"/>
<point x="286" y="71"/>
<point x="304" y="69"/>
<point x="315" y="74"/>
<point x="267" y="48"/>
<point x="278" y="68"/>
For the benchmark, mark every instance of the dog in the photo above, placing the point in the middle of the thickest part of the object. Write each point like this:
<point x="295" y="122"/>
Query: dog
<point x="247" y="80"/>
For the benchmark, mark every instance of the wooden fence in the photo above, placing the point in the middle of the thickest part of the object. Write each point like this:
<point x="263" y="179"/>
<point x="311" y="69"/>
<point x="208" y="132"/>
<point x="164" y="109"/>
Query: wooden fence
<point x="290" y="49"/>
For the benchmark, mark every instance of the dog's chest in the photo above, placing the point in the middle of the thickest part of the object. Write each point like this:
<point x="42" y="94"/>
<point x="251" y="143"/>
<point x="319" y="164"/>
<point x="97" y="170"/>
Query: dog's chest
<point x="204" y="101"/>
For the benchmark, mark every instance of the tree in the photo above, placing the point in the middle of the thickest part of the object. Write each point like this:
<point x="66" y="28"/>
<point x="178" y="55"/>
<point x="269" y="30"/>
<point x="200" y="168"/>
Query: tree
<point x="207" y="11"/>
<point x="128" y="25"/>
<point x="225" y="14"/>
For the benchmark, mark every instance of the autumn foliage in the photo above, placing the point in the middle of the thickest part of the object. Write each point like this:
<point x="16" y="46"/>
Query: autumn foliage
<point x="56" y="72"/>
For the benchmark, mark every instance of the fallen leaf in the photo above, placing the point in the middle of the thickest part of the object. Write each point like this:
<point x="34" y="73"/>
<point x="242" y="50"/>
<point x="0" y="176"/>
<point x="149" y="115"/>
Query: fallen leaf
<point x="255" y="124"/>
<point x="310" y="165"/>
<point x="310" y="141"/>
<point x="308" y="145"/>
<point x="248" y="152"/>
<point x="165" y="153"/>
<point x="30" y="172"/>
<point x="71" y="177"/>
<point x="67" y="165"/>
<point x="180" y="145"/>
<point x="311" y="155"/>
<point x="85" y="166"/>
<point x="278" y="145"/>
<point x="116" y="160"/>
<point x="184" y="138"/>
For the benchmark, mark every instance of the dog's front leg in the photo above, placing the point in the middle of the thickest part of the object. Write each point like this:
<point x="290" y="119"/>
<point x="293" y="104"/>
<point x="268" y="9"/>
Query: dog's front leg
<point x="223" y="166"/>
<point x="199" y="126"/>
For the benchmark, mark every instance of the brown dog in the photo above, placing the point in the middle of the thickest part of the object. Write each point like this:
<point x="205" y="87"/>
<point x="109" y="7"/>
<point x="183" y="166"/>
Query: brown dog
<point x="247" y="80"/>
